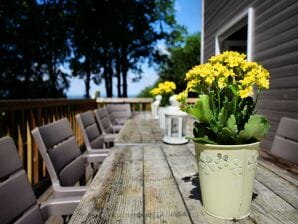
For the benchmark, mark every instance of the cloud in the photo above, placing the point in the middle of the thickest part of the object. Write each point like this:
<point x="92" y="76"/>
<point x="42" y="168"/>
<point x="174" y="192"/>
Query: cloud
<point x="161" y="47"/>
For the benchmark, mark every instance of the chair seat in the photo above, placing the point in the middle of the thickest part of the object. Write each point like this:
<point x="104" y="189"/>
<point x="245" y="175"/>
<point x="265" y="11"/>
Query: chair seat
<point x="116" y="128"/>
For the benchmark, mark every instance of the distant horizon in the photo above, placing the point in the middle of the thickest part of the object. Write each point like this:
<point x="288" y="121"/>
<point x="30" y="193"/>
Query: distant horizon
<point x="80" y="96"/>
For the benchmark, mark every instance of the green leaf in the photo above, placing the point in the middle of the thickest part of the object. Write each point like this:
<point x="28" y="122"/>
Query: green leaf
<point x="233" y="89"/>
<point x="224" y="114"/>
<point x="201" y="109"/>
<point x="196" y="110"/>
<point x="232" y="125"/>
<point x="254" y="129"/>
<point x="201" y="130"/>
<point x="207" y="113"/>
<point x="214" y="126"/>
<point x="225" y="137"/>
<point x="204" y="140"/>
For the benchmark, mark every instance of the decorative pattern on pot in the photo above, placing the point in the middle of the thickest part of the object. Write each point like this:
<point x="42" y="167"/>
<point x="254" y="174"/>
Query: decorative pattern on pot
<point x="210" y="163"/>
<point x="252" y="161"/>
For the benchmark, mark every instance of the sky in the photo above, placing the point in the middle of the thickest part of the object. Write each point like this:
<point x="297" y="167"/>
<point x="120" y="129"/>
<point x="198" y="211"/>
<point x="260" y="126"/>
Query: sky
<point x="188" y="13"/>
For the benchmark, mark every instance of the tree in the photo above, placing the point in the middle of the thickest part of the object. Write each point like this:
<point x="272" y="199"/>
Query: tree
<point x="144" y="24"/>
<point x="86" y="37"/>
<point x="180" y="60"/>
<point x="32" y="48"/>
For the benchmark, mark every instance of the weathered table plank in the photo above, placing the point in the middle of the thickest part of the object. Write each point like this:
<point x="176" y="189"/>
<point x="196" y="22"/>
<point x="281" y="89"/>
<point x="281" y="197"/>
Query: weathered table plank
<point x="140" y="129"/>
<point x="146" y="181"/>
<point x="163" y="203"/>
<point x="279" y="186"/>
<point x="267" y="207"/>
<point x="116" y="193"/>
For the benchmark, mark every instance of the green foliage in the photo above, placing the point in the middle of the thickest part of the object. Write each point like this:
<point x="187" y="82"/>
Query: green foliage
<point x="227" y="127"/>
<point x="181" y="59"/>
<point x="201" y="109"/>
<point x="33" y="47"/>
<point x="254" y="129"/>
<point x="146" y="92"/>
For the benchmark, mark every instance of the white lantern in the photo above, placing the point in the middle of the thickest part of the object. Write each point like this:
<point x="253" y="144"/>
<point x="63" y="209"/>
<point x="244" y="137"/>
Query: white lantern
<point x="176" y="120"/>
<point x="154" y="106"/>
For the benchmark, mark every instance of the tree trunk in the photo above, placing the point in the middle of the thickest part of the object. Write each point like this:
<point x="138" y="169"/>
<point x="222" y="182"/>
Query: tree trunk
<point x="118" y="71"/>
<point x="105" y="76"/>
<point x="124" y="76"/>
<point x="110" y="76"/>
<point x="124" y="68"/>
<point x="87" y="84"/>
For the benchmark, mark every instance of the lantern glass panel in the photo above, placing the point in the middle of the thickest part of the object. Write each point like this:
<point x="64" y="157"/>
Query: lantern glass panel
<point x="174" y="127"/>
<point x="184" y="124"/>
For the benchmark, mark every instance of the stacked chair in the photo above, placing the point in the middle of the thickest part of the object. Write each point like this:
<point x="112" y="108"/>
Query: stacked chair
<point x="105" y="122"/>
<point x="18" y="203"/>
<point x="63" y="158"/>
<point x="119" y="113"/>
<point x="95" y="138"/>
<point x="285" y="143"/>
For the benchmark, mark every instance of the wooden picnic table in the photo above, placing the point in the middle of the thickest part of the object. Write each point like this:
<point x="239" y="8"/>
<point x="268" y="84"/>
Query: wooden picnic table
<point x="146" y="181"/>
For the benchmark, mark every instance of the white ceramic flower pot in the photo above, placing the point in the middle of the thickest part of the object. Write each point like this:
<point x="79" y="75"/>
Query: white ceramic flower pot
<point x="162" y="117"/>
<point x="226" y="174"/>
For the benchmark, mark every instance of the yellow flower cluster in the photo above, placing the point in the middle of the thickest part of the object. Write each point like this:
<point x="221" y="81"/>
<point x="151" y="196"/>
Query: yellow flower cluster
<point x="181" y="97"/>
<point x="228" y="68"/>
<point x="163" y="88"/>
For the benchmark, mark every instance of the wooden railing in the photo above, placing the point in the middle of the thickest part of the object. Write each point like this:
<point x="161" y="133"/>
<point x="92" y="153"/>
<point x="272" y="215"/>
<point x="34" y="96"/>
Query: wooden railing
<point x="19" y="117"/>
<point x="137" y="104"/>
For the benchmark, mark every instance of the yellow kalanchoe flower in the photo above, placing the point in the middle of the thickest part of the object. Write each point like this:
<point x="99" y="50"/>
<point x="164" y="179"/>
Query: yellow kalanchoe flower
<point x="224" y="87"/>
<point x="246" y="92"/>
<point x="181" y="97"/>
<point x="228" y="68"/>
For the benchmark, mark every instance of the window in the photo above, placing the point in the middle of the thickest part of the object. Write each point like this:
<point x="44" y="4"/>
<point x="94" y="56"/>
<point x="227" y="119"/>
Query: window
<point x="236" y="35"/>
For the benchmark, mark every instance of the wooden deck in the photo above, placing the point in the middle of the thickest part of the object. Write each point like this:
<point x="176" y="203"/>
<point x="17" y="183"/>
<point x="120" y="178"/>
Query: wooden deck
<point x="146" y="181"/>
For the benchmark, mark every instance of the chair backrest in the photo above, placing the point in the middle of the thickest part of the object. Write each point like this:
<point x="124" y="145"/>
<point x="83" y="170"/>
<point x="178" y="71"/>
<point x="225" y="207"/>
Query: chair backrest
<point x="103" y="120"/>
<point x="60" y="151"/>
<point x="119" y="112"/>
<point x="285" y="143"/>
<point x="93" y="137"/>
<point x="17" y="200"/>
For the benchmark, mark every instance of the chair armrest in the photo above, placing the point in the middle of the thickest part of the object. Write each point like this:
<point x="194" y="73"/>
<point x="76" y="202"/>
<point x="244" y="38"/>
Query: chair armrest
<point x="59" y="206"/>
<point x="99" y="151"/>
<point x="75" y="191"/>
<point x="94" y="157"/>
<point x="109" y="137"/>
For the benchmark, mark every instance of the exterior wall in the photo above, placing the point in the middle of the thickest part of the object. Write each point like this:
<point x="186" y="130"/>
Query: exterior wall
<point x="275" y="46"/>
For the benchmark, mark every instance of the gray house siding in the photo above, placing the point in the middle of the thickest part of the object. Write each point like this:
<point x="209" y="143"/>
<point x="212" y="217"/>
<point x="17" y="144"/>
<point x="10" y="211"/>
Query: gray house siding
<point x="275" y="46"/>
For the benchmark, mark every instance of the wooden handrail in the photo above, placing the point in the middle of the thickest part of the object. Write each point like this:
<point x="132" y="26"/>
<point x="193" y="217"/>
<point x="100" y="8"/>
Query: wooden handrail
<point x="19" y="117"/>
<point x="137" y="104"/>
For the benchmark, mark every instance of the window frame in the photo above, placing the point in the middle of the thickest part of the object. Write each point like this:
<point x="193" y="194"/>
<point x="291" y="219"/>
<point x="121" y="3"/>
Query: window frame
<point x="249" y="13"/>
